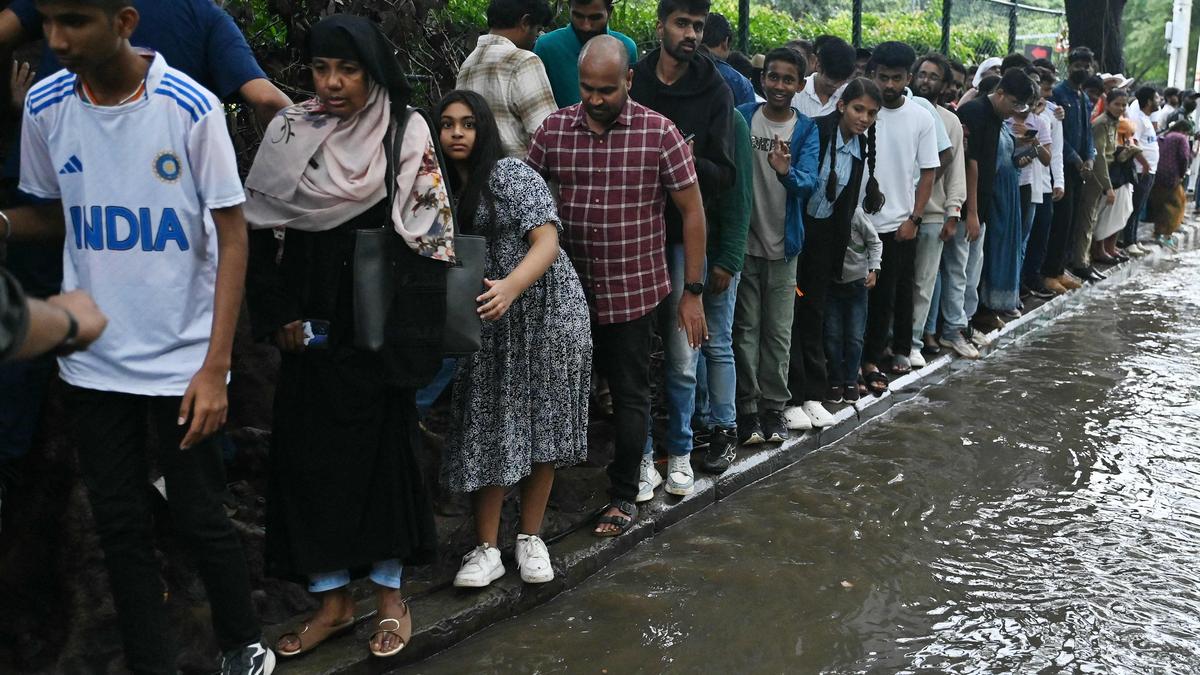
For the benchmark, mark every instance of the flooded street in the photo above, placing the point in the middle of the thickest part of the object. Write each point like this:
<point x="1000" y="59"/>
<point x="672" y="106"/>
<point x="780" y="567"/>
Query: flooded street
<point x="1039" y="513"/>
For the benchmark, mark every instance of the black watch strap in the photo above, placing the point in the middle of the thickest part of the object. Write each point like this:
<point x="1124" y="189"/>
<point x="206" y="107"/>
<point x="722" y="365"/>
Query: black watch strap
<point x="69" y="342"/>
<point x="695" y="288"/>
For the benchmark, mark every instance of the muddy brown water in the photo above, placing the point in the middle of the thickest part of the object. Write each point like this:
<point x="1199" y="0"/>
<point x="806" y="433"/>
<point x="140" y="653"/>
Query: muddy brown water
<point x="1038" y="513"/>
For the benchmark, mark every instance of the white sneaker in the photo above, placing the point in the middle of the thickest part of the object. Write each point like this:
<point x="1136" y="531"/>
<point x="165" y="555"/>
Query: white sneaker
<point x="479" y="568"/>
<point x="796" y="419"/>
<point x="533" y="559"/>
<point x="817" y="414"/>
<point x="648" y="479"/>
<point x="917" y="359"/>
<point x="1136" y="250"/>
<point x="980" y="338"/>
<point x="961" y="345"/>
<point x="681" y="482"/>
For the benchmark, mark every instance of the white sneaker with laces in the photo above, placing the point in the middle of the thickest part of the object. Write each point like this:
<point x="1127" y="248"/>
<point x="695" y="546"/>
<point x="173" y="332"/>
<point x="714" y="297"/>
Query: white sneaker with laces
<point x="479" y="568"/>
<point x="681" y="482"/>
<point x="817" y="414"/>
<point x="533" y="559"/>
<point x="648" y="479"/>
<point x="796" y="419"/>
<point x="917" y="359"/>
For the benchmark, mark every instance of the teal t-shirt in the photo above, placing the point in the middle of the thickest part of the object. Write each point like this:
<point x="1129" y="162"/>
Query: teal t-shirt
<point x="559" y="51"/>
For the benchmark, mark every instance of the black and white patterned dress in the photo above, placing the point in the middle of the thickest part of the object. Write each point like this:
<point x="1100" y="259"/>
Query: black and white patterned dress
<point x="523" y="398"/>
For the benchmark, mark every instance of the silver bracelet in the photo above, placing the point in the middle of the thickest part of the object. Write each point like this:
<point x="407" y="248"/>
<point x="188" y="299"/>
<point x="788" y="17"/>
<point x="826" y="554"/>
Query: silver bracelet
<point x="7" y="225"/>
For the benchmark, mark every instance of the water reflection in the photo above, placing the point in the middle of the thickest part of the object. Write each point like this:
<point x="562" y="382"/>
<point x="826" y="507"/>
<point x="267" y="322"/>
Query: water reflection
<point x="1039" y="514"/>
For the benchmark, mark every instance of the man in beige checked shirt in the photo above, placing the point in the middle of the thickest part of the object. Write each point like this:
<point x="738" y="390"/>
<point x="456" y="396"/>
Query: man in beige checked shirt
<point x="507" y="74"/>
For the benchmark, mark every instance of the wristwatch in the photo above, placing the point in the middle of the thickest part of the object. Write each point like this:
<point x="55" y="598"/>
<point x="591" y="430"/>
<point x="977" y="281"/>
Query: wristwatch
<point x="695" y="288"/>
<point x="70" y="342"/>
<point x="916" y="220"/>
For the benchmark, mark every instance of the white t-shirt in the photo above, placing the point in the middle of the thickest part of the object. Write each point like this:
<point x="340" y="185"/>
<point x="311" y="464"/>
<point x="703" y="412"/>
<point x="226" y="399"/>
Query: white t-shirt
<point x="1052" y="175"/>
<point x="136" y="183"/>
<point x="807" y="101"/>
<point x="905" y="143"/>
<point x="1147" y="137"/>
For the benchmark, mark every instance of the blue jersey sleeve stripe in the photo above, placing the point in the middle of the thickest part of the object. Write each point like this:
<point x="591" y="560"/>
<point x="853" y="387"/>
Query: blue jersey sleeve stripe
<point x="182" y="86"/>
<point x="182" y="103"/>
<point x="199" y="105"/>
<point x="34" y="110"/>
<point x="48" y="91"/>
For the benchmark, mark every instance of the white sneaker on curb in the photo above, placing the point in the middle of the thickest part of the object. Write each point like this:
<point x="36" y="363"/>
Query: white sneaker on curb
<point x="648" y="479"/>
<point x="817" y="414"/>
<point x="479" y="568"/>
<point x="917" y="359"/>
<point x="796" y="419"/>
<point x="980" y="338"/>
<point x="681" y="482"/>
<point x="961" y="346"/>
<point x="533" y="559"/>
<point x="1136" y="250"/>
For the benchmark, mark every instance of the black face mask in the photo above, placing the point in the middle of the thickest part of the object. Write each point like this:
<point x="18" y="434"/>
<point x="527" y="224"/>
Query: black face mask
<point x="1078" y="77"/>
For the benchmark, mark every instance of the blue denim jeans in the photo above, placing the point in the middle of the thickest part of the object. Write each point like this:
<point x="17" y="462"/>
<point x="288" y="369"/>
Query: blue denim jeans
<point x="928" y="261"/>
<point x="386" y="573"/>
<point x="716" y="379"/>
<point x="429" y="395"/>
<point x="935" y="306"/>
<point x="962" y="265"/>
<point x="680" y="363"/>
<point x="845" y="324"/>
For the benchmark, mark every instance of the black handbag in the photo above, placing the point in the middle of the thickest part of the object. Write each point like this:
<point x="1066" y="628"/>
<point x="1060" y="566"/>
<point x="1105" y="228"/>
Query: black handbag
<point x="376" y="256"/>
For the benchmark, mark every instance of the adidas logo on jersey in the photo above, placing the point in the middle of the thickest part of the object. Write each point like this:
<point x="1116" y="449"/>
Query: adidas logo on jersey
<point x="73" y="165"/>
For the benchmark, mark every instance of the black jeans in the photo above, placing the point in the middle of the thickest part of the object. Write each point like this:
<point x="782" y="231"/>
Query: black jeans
<point x="807" y="378"/>
<point x="110" y="433"/>
<point x="622" y="355"/>
<point x="1141" y="194"/>
<point x="890" y="305"/>
<point x="1063" y="224"/>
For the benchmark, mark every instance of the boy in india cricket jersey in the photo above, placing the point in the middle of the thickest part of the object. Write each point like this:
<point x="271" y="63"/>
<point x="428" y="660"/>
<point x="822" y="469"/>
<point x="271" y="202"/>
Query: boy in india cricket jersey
<point x="138" y="172"/>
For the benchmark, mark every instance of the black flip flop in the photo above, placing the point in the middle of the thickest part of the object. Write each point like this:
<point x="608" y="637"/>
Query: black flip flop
<point x="877" y="382"/>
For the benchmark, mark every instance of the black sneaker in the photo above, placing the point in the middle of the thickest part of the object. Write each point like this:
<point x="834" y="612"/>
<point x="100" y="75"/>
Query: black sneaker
<point x="774" y="427"/>
<point x="700" y="440"/>
<point x="749" y="430"/>
<point x="722" y="450"/>
<point x="253" y="659"/>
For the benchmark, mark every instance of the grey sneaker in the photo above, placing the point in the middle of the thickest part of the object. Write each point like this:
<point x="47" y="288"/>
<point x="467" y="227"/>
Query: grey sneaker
<point x="960" y="345"/>
<point x="681" y="482"/>
<point x="253" y="659"/>
<point x="648" y="479"/>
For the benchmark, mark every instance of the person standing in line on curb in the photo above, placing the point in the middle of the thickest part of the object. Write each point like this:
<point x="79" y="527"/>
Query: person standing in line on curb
<point x="685" y="87"/>
<point x="1140" y="115"/>
<point x="347" y="498"/>
<point x="846" y="185"/>
<point x="1079" y="152"/>
<point x="823" y="87"/>
<point x="908" y="163"/>
<point x="1098" y="192"/>
<point x="559" y="49"/>
<point x="506" y="73"/>
<point x="846" y="311"/>
<point x="168" y="268"/>
<point x="944" y="210"/>
<point x="1047" y="185"/>
<point x="521" y="402"/>
<point x="613" y="231"/>
<point x="717" y="41"/>
<point x="786" y="147"/>
<point x="716" y="374"/>
<point x="1168" y="201"/>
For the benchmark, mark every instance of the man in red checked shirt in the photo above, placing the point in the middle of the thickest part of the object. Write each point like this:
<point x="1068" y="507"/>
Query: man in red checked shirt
<point x="615" y="163"/>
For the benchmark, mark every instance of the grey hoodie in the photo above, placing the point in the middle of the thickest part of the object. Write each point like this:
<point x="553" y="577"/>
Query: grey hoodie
<point x="865" y="251"/>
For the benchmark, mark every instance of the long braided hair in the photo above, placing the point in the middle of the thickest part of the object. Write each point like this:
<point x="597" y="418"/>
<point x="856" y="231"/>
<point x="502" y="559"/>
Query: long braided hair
<point x="874" y="199"/>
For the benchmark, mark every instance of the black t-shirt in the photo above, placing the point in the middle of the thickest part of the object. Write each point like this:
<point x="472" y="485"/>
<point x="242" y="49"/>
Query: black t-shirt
<point x="981" y="132"/>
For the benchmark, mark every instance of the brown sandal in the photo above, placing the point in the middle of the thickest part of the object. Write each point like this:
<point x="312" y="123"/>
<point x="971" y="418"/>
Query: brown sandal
<point x="314" y="638"/>
<point x="401" y="628"/>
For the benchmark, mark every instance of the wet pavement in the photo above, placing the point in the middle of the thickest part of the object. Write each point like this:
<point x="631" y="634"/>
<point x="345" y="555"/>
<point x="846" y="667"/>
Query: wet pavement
<point x="1038" y="513"/>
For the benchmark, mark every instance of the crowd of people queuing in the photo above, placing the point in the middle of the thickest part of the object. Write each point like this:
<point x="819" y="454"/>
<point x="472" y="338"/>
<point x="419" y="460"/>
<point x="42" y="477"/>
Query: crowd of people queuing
<point x="795" y="228"/>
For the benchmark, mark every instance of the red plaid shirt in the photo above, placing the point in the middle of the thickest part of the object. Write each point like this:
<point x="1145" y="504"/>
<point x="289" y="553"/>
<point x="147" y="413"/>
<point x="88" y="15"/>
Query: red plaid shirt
<point x="612" y="192"/>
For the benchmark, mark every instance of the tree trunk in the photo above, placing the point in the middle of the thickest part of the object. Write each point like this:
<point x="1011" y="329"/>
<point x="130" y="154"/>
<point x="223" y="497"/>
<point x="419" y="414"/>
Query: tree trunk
<point x="1097" y="24"/>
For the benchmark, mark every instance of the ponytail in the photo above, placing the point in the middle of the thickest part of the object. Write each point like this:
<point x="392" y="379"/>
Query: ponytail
<point x="874" y="199"/>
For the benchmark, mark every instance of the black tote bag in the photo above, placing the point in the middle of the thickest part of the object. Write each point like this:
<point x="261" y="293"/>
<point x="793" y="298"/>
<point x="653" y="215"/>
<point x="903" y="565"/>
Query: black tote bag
<point x="376" y="256"/>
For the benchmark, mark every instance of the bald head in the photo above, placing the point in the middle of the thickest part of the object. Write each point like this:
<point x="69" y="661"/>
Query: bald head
<point x="604" y="51"/>
<point x="604" y="78"/>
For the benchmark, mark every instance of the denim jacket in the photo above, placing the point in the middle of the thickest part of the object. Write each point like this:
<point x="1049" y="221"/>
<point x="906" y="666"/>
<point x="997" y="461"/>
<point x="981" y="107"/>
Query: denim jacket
<point x="1078" y="146"/>
<point x="800" y="181"/>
